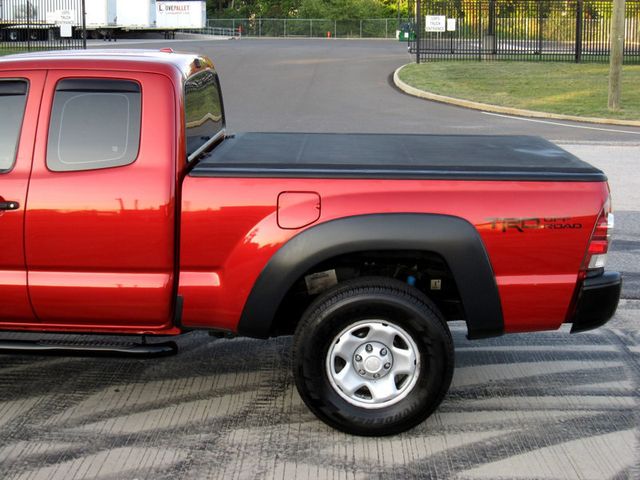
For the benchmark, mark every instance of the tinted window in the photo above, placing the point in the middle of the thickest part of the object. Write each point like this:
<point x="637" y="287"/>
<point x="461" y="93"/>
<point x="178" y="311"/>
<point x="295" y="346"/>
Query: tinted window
<point x="204" y="113"/>
<point x="94" y="124"/>
<point x="13" y="97"/>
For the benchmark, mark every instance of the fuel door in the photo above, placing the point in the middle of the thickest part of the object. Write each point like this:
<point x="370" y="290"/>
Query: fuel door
<point x="298" y="209"/>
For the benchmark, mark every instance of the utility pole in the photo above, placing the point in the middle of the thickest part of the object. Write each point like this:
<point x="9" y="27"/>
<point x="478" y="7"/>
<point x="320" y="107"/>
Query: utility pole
<point x="616" y="54"/>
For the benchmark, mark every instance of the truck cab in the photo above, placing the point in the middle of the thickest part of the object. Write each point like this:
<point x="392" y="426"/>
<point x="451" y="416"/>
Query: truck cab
<point x="93" y="248"/>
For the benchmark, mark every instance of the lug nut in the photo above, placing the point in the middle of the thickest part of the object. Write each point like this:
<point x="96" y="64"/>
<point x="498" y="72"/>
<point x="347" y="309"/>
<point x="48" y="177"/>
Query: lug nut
<point x="368" y="348"/>
<point x="358" y="358"/>
<point x="376" y="375"/>
<point x="387" y="366"/>
<point x="383" y="352"/>
<point x="361" y="372"/>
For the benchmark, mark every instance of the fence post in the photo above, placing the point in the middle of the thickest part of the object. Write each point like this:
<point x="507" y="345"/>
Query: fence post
<point x="386" y="28"/>
<point x="29" y="26"/>
<point x="360" y="28"/>
<point x="492" y="17"/>
<point x="540" y="29"/>
<point x="579" y="15"/>
<point x="418" y="29"/>
<point x="84" y="24"/>
<point x="285" y="27"/>
<point x="335" y="29"/>
<point x="479" y="10"/>
<point x="491" y="35"/>
<point x="259" y="27"/>
<point x="311" y="28"/>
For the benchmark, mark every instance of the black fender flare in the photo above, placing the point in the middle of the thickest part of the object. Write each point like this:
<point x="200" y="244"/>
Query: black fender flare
<point x="454" y="238"/>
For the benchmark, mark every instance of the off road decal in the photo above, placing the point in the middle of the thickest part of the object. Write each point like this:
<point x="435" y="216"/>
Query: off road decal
<point x="523" y="224"/>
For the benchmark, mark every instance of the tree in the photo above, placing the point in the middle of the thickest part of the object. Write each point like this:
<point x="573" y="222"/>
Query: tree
<point x="343" y="9"/>
<point x="616" y="55"/>
<point x="330" y="9"/>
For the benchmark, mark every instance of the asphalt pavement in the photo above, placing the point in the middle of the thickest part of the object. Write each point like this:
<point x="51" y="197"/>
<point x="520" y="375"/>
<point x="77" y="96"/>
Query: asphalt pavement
<point x="533" y="406"/>
<point x="320" y="85"/>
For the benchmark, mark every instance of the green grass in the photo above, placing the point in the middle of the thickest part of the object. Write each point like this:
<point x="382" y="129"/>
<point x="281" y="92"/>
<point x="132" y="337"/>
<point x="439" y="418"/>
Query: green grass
<point x="12" y="50"/>
<point x="566" y="88"/>
<point x="9" y="51"/>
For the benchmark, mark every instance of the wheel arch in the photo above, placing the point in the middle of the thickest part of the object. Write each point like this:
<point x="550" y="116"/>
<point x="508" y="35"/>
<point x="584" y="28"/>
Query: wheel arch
<point x="453" y="238"/>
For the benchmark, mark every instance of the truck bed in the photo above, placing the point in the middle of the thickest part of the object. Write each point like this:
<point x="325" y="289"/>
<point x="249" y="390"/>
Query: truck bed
<point x="330" y="155"/>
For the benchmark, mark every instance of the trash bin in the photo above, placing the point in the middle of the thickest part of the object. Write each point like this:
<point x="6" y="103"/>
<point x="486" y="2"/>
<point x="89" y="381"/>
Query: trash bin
<point x="406" y="33"/>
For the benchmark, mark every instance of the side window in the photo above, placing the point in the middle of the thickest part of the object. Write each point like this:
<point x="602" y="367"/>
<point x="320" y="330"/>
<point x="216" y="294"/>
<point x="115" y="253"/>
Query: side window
<point x="13" y="98"/>
<point x="204" y="113"/>
<point x="94" y="124"/>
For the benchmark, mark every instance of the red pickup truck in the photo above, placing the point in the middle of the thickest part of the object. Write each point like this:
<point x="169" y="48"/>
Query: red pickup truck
<point x="127" y="208"/>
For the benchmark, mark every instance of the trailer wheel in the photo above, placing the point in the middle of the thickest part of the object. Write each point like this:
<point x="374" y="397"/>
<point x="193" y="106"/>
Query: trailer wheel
<point x="373" y="356"/>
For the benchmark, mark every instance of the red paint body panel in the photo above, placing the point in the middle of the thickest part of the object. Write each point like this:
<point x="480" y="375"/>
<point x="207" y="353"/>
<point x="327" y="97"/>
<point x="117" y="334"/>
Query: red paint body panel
<point x="227" y="234"/>
<point x="108" y="250"/>
<point x="100" y="243"/>
<point x="14" y="298"/>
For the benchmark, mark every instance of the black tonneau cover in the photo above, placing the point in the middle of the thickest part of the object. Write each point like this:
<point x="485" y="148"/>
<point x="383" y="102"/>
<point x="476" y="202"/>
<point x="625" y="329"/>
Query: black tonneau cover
<point x="328" y="155"/>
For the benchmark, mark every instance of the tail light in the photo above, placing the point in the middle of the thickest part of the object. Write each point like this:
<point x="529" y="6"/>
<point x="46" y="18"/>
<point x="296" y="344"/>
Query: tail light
<point x="596" y="257"/>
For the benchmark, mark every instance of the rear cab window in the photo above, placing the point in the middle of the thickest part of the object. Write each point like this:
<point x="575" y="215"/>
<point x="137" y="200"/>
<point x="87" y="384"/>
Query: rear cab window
<point x="204" y="112"/>
<point x="95" y="124"/>
<point x="13" y="99"/>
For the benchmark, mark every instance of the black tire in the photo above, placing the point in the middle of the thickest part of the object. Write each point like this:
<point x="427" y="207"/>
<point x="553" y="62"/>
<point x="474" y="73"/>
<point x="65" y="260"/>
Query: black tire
<point x="394" y="303"/>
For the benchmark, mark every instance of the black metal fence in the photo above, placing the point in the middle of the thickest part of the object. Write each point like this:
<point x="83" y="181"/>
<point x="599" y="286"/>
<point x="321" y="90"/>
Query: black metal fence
<point x="556" y="30"/>
<point x="28" y="25"/>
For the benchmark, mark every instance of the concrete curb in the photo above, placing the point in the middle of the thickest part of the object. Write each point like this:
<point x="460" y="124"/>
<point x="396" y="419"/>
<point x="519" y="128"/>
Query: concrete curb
<point x="200" y="36"/>
<point x="406" y="88"/>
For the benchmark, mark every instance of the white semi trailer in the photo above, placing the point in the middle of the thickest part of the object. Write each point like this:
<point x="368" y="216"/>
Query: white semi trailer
<point x="101" y="13"/>
<point x="103" y="18"/>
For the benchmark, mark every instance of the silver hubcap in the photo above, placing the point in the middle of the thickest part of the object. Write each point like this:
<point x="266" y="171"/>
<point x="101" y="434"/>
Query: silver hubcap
<point x="373" y="364"/>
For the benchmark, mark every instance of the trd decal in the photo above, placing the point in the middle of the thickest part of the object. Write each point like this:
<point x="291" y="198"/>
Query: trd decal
<point x="522" y="224"/>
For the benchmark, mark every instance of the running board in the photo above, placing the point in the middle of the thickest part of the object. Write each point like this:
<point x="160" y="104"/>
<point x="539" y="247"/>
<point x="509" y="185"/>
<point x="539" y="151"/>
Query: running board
<point x="88" y="349"/>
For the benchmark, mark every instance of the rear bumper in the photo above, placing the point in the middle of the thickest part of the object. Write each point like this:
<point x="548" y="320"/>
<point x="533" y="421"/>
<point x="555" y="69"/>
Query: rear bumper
<point x="597" y="301"/>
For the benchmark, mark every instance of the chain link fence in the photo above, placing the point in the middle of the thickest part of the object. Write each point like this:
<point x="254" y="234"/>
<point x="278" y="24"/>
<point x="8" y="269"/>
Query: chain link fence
<point x="311" y="27"/>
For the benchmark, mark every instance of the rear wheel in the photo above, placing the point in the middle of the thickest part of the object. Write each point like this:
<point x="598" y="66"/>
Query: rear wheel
<point x="372" y="356"/>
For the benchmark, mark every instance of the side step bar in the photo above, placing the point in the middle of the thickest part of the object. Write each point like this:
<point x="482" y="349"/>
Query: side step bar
<point x="88" y="349"/>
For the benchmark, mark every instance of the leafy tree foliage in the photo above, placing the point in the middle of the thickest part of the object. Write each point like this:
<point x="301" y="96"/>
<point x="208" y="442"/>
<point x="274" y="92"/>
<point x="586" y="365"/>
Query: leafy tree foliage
<point x="343" y="9"/>
<point x="332" y="9"/>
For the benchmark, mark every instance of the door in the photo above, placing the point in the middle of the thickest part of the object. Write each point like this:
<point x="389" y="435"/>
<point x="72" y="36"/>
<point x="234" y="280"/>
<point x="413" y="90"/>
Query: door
<point x="101" y="213"/>
<point x="19" y="104"/>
